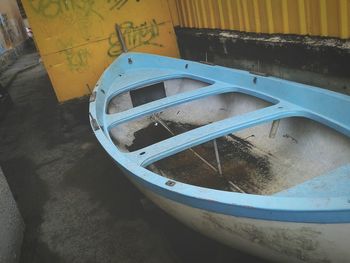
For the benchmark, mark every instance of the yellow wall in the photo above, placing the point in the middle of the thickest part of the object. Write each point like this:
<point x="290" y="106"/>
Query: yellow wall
<point x="12" y="30"/>
<point x="304" y="17"/>
<point x="77" y="41"/>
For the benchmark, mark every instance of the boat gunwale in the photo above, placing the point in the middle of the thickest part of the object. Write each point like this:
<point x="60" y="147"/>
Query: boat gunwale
<point x="290" y="209"/>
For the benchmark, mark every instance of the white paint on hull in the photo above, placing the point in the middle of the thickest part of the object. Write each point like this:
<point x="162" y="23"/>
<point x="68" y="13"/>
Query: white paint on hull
<point x="301" y="149"/>
<point x="272" y="240"/>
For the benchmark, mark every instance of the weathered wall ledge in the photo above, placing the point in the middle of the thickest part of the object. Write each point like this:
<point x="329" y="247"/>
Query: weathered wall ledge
<point x="323" y="62"/>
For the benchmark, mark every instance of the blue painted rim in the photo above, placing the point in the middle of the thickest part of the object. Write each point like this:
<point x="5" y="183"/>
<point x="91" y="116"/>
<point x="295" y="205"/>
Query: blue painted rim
<point x="286" y="209"/>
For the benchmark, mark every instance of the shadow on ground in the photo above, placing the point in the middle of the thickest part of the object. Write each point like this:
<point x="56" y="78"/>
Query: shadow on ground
<point x="76" y="204"/>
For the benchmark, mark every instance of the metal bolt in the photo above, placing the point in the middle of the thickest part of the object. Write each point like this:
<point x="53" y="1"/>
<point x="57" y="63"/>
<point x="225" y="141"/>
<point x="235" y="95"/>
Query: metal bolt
<point x="170" y="183"/>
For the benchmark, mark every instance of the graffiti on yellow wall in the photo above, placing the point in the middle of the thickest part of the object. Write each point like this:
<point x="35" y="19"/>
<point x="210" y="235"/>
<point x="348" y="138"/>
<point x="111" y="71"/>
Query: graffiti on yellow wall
<point x="77" y="59"/>
<point x="75" y="15"/>
<point x="54" y="8"/>
<point x="135" y="36"/>
<point x="118" y="4"/>
<point x="77" y="38"/>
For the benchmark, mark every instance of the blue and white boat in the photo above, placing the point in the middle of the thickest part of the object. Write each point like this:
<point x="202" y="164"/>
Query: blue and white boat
<point x="259" y="163"/>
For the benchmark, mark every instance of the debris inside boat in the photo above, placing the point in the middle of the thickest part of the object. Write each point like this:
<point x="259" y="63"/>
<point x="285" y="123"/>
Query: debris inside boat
<point x="242" y="169"/>
<point x="226" y="151"/>
<point x="263" y="160"/>
<point x="174" y="131"/>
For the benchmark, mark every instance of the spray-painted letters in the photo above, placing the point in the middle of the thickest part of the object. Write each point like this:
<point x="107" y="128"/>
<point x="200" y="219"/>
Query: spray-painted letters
<point x="116" y="4"/>
<point x="55" y="8"/>
<point x="77" y="59"/>
<point x="135" y="36"/>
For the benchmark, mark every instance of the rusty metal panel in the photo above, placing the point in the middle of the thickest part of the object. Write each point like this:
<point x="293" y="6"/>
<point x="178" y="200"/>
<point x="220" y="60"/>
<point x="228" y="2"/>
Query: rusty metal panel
<point x="77" y="39"/>
<point x="329" y="18"/>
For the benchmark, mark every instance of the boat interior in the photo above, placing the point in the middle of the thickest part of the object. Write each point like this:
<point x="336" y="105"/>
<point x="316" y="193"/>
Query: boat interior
<point x="285" y="157"/>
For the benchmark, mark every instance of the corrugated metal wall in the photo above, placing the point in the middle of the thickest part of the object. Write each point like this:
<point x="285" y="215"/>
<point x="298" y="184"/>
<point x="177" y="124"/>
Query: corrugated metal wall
<point x="302" y="17"/>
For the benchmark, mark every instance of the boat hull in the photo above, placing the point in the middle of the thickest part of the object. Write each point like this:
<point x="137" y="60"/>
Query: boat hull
<point x="306" y="218"/>
<point x="272" y="240"/>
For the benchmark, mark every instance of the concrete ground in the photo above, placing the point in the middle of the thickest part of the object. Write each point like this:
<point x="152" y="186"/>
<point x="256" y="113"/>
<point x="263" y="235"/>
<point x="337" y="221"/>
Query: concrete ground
<point x="11" y="224"/>
<point x="76" y="204"/>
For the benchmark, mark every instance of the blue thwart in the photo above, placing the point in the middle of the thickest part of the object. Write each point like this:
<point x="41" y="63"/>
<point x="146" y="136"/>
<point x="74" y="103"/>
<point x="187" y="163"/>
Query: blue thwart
<point x="259" y="163"/>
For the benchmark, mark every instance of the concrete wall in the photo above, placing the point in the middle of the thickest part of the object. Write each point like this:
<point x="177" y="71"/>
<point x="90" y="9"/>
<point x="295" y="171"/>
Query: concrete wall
<point x="11" y="225"/>
<point x="322" y="62"/>
<point x="12" y="31"/>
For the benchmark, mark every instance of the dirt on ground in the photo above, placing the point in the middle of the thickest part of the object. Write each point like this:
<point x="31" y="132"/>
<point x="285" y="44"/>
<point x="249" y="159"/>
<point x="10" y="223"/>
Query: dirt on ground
<point x="76" y="204"/>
